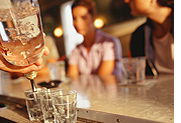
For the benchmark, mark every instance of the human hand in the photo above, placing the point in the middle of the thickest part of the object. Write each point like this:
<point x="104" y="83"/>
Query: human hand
<point x="6" y="66"/>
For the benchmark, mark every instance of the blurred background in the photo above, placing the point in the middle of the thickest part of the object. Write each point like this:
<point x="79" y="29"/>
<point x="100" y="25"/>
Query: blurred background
<point x="113" y="17"/>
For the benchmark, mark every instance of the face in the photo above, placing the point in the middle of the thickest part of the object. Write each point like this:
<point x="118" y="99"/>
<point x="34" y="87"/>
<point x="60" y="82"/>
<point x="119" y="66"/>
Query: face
<point x="139" y="7"/>
<point x="82" y="20"/>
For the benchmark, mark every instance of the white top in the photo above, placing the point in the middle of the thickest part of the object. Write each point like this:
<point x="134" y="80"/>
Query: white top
<point x="164" y="53"/>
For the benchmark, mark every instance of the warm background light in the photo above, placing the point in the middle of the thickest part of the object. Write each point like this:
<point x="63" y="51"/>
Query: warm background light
<point x="58" y="32"/>
<point x="98" y="23"/>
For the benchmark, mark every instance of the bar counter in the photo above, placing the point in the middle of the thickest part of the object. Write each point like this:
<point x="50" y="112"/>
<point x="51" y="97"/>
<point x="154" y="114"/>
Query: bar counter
<point x="151" y="101"/>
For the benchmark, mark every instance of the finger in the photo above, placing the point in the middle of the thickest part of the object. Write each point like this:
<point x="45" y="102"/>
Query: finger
<point x="32" y="68"/>
<point x="44" y="34"/>
<point x="22" y="69"/>
<point x="36" y="68"/>
<point x="46" y="51"/>
<point x="39" y="62"/>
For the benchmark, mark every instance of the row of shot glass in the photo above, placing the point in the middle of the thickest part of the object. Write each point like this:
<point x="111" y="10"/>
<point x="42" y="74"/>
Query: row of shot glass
<point x="51" y="105"/>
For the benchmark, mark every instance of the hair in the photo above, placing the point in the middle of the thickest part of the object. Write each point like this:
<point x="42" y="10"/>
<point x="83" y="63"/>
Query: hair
<point x="89" y="4"/>
<point x="166" y="3"/>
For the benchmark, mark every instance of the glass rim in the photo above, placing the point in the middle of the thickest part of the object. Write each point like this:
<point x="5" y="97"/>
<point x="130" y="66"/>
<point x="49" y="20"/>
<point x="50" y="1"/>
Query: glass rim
<point x="70" y="92"/>
<point x="50" y="90"/>
<point x="38" y="90"/>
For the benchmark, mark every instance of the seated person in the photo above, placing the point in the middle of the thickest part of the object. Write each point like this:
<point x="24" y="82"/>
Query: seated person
<point x="155" y="38"/>
<point x="100" y="53"/>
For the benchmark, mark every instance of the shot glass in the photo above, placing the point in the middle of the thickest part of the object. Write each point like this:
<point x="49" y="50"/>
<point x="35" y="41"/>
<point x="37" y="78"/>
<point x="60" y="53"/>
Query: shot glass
<point x="133" y="69"/>
<point x="57" y="70"/>
<point x="46" y="105"/>
<point x="33" y="104"/>
<point x="64" y="104"/>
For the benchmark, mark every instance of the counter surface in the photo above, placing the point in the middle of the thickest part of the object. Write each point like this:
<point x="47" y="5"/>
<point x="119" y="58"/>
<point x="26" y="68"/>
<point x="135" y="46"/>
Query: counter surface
<point x="153" y="100"/>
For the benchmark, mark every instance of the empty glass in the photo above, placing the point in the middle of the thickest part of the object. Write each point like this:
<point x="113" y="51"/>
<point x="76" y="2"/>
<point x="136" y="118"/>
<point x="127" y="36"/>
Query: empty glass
<point x="64" y="104"/>
<point x="57" y="70"/>
<point x="46" y="105"/>
<point x="133" y="69"/>
<point x="33" y="104"/>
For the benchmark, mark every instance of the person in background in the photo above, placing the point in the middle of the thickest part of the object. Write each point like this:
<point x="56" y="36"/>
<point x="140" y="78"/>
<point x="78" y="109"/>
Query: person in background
<point x="155" y="38"/>
<point x="53" y="55"/>
<point x="100" y="53"/>
<point x="6" y="66"/>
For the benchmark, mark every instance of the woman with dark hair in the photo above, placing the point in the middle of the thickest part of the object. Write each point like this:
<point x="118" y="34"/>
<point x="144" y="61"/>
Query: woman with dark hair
<point x="100" y="53"/>
<point x="155" y="38"/>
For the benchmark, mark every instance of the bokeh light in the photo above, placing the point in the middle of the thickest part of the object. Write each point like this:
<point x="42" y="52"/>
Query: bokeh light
<point x="98" y="23"/>
<point x="58" y="32"/>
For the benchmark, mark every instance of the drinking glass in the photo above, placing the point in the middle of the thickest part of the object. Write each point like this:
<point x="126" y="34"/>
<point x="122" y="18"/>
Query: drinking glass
<point x="64" y="104"/>
<point x="21" y="33"/>
<point x="133" y="69"/>
<point x="46" y="104"/>
<point x="33" y="104"/>
<point x="57" y="70"/>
